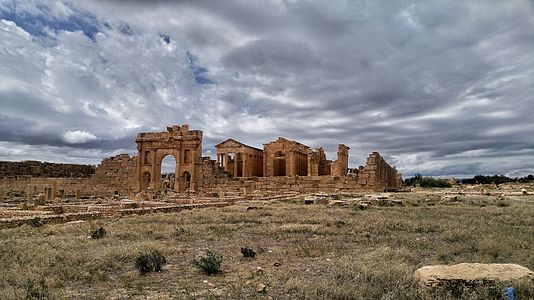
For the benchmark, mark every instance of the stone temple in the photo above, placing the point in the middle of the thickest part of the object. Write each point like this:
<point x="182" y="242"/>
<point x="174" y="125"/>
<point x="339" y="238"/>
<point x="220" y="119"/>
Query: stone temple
<point x="281" y="166"/>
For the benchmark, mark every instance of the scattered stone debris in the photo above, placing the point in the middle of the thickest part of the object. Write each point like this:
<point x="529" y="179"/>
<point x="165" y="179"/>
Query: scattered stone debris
<point x="449" y="198"/>
<point x="254" y="207"/>
<point x="363" y="206"/>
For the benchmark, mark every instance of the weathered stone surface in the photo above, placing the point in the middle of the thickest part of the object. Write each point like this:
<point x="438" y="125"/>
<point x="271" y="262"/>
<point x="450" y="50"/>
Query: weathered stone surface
<point x="44" y="169"/>
<point x="30" y="195"/>
<point x="181" y="143"/>
<point x="41" y="199"/>
<point x="54" y="189"/>
<point x="432" y="276"/>
<point x="299" y="169"/>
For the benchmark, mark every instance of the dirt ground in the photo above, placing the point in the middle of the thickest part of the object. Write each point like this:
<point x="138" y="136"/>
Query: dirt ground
<point x="338" y="250"/>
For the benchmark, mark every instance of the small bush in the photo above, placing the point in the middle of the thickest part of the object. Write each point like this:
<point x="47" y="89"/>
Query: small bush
<point x="433" y="182"/>
<point x="99" y="233"/>
<point x="248" y="252"/>
<point x="36" y="290"/>
<point x="209" y="264"/>
<point x="150" y="262"/>
<point x="36" y="222"/>
<point x="180" y="231"/>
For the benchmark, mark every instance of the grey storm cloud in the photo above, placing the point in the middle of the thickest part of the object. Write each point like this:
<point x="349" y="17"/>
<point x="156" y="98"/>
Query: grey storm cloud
<point x="441" y="88"/>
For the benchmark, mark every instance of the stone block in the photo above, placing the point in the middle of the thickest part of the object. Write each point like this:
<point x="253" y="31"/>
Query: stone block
<point x="29" y="194"/>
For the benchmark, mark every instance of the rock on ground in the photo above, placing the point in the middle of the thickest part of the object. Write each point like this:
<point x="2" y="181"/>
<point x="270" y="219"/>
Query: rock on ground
<point x="431" y="276"/>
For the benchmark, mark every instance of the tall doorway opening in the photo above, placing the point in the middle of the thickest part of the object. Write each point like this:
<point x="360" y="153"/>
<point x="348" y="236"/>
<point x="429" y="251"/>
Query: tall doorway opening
<point x="279" y="164"/>
<point x="168" y="174"/>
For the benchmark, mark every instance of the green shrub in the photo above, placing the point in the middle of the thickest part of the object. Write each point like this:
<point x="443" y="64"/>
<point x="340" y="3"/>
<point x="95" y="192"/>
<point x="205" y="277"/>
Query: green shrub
<point x="99" y="233"/>
<point x="150" y="262"/>
<point x="36" y="290"/>
<point x="209" y="264"/>
<point x="426" y="182"/>
<point x="248" y="252"/>
<point x="36" y="222"/>
<point x="432" y="182"/>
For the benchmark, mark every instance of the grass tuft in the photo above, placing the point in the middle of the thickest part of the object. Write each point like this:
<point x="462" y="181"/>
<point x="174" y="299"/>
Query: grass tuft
<point x="209" y="264"/>
<point x="150" y="262"/>
<point x="99" y="233"/>
<point x="248" y="252"/>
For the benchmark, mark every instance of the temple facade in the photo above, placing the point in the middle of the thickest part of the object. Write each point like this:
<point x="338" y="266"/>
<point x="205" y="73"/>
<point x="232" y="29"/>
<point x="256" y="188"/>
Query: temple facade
<point x="279" y="158"/>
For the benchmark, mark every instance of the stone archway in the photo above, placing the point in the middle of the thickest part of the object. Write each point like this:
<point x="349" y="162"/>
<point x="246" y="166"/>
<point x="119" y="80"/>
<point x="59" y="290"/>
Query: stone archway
<point x="183" y="144"/>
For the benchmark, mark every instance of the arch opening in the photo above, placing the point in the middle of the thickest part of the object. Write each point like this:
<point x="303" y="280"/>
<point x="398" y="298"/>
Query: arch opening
<point x="168" y="174"/>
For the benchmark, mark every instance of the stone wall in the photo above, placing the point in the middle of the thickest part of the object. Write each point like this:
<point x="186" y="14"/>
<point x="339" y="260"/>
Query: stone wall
<point x="377" y="176"/>
<point x="114" y="176"/>
<point x="62" y="187"/>
<point x="118" y="173"/>
<point x="381" y="174"/>
<point x="44" y="169"/>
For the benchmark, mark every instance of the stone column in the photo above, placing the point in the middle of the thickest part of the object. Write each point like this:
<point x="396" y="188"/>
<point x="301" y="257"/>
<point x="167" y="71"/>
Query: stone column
<point x="192" y="186"/>
<point x="2" y="196"/>
<point x="30" y="194"/>
<point x="227" y="161"/>
<point x="178" y="171"/>
<point x="48" y="193"/>
<point x="235" y="164"/>
<point x="244" y="171"/>
<point x="54" y="189"/>
<point x="153" y="179"/>
<point x="138" y="167"/>
<point x="291" y="160"/>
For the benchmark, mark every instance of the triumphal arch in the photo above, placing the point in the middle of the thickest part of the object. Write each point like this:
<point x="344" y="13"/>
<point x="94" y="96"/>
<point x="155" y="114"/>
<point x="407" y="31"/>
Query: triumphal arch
<point x="184" y="145"/>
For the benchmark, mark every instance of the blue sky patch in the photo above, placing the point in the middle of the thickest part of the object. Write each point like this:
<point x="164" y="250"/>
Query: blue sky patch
<point x="198" y="71"/>
<point x="37" y="25"/>
<point x="165" y="38"/>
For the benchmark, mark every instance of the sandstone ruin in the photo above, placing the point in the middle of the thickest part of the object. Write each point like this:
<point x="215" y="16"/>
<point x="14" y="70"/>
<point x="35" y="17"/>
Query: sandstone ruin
<point x="282" y="165"/>
<point x="123" y="184"/>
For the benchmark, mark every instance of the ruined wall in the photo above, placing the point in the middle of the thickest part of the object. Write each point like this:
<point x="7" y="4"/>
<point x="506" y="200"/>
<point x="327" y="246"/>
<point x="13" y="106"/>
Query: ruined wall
<point x="340" y="167"/>
<point x="44" y="169"/>
<point x="211" y="172"/>
<point x="377" y="176"/>
<point x="63" y="187"/>
<point x="114" y="175"/>
<point x="118" y="174"/>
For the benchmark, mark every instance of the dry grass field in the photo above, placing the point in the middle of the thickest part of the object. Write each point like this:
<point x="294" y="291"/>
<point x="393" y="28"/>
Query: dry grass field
<point x="303" y="251"/>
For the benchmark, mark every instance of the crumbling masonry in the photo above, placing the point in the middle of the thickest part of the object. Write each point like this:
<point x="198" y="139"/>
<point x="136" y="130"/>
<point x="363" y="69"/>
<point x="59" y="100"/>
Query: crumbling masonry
<point x="282" y="166"/>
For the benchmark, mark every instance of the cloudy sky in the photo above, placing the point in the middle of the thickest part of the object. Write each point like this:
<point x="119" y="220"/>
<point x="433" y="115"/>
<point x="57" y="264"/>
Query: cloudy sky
<point x="438" y="87"/>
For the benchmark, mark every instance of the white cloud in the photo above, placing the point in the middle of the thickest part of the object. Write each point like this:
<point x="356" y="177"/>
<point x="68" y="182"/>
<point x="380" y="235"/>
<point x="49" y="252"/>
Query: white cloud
<point x="320" y="72"/>
<point x="78" y="137"/>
